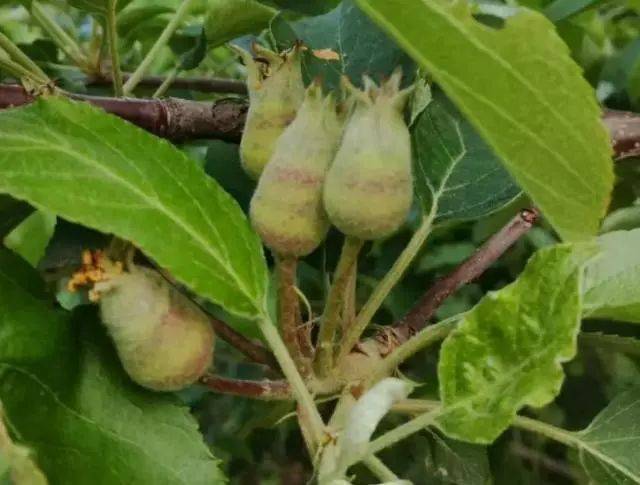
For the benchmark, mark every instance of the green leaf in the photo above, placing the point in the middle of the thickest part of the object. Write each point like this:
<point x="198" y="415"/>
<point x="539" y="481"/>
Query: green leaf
<point x="609" y="446"/>
<point x="67" y="398"/>
<point x="507" y="351"/>
<point x="12" y="213"/>
<point x="518" y="85"/>
<point x="31" y="238"/>
<point x="191" y="47"/>
<point x="228" y="19"/>
<point x="620" y="70"/>
<point x="454" y="168"/>
<point x="562" y="9"/>
<point x="99" y="7"/>
<point x="97" y="170"/>
<point x="307" y="7"/>
<point x="134" y="16"/>
<point x="22" y="275"/>
<point x="611" y="342"/>
<point x="612" y="281"/>
<point x="625" y="218"/>
<point x="363" y="48"/>
<point x="456" y="463"/>
<point x="23" y="312"/>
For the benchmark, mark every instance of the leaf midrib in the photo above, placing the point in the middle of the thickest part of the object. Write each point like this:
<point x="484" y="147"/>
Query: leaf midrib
<point x="483" y="99"/>
<point x="85" y="419"/>
<point x="153" y="203"/>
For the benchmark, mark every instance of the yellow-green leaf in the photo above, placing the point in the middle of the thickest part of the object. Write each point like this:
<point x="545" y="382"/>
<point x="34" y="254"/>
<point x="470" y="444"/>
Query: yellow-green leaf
<point x="507" y="351"/>
<point x="518" y="85"/>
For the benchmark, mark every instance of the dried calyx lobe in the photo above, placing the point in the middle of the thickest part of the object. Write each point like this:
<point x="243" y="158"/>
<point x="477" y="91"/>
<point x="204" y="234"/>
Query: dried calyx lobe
<point x="287" y="209"/>
<point x="164" y="341"/>
<point x="276" y="91"/>
<point x="369" y="188"/>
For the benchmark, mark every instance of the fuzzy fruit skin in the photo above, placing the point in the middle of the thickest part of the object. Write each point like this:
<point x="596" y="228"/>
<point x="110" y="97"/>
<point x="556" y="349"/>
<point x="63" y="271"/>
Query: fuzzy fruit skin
<point x="276" y="91"/>
<point x="369" y="188"/>
<point x="357" y="366"/>
<point x="164" y="341"/>
<point x="286" y="208"/>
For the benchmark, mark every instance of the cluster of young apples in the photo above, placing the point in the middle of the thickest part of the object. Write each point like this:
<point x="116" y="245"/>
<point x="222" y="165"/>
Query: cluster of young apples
<point x="319" y="162"/>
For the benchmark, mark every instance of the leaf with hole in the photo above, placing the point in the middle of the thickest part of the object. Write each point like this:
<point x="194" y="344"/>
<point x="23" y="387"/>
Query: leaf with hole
<point x="519" y="87"/>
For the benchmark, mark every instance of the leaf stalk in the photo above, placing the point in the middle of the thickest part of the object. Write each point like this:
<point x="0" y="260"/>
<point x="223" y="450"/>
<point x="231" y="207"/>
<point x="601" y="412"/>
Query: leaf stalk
<point x="162" y="41"/>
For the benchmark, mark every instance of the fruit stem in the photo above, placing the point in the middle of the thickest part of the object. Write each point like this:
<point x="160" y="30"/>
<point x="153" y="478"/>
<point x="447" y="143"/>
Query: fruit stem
<point x="403" y="431"/>
<point x="334" y="305"/>
<point x="385" y="285"/>
<point x="316" y="427"/>
<point x="166" y="34"/>
<point x="112" y="35"/>
<point x="379" y="469"/>
<point x="289" y="310"/>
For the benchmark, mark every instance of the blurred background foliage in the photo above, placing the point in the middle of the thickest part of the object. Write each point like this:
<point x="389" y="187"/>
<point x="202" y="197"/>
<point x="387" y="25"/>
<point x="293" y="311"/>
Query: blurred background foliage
<point x="603" y="38"/>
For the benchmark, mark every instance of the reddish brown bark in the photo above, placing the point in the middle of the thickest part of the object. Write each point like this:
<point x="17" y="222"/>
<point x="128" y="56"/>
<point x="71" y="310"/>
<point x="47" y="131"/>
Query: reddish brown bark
<point x="419" y="316"/>
<point x="178" y="119"/>
<point x="174" y="119"/>
<point x="266" y="390"/>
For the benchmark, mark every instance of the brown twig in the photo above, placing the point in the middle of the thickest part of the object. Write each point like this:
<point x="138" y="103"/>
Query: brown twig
<point x="289" y="311"/>
<point x="334" y="305"/>
<point x="624" y="129"/>
<point x="178" y="119"/>
<point x="419" y="316"/>
<point x="256" y="352"/>
<point x="174" y="119"/>
<point x="265" y="390"/>
<point x="253" y="350"/>
<point x="202" y="84"/>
